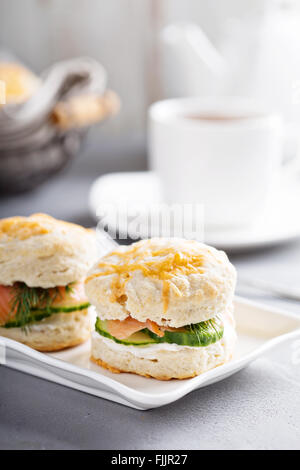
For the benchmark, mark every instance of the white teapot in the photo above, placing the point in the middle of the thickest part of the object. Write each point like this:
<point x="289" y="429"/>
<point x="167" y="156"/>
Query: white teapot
<point x="256" y="57"/>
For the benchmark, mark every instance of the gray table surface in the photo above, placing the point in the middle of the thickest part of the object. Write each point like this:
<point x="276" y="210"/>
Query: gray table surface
<point x="258" y="408"/>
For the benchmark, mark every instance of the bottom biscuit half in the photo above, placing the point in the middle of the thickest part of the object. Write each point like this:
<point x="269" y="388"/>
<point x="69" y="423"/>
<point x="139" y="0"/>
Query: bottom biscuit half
<point x="57" y="332"/>
<point x="161" y="364"/>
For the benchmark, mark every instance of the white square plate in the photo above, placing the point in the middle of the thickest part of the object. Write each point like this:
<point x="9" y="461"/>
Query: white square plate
<point x="259" y="329"/>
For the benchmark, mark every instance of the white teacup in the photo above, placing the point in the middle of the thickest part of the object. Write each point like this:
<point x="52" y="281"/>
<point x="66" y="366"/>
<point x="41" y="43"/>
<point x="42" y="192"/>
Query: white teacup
<point x="222" y="152"/>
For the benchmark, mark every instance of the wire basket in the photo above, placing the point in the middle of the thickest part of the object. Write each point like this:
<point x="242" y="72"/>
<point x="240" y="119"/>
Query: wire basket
<point x="40" y="136"/>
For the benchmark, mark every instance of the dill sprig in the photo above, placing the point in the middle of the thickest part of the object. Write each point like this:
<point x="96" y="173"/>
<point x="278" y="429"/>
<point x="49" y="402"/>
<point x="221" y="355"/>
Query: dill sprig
<point x="69" y="288"/>
<point x="27" y="299"/>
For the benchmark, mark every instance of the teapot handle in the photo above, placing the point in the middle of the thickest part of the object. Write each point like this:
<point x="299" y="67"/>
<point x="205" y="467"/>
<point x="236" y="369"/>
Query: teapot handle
<point x="63" y="79"/>
<point x="193" y="37"/>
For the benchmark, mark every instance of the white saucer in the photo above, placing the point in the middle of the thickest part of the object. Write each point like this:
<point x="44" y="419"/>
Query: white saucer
<point x="279" y="224"/>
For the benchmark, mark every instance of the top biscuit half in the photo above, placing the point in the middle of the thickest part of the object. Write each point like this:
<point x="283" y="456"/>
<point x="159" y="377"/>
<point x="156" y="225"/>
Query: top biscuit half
<point x="171" y="281"/>
<point x="44" y="252"/>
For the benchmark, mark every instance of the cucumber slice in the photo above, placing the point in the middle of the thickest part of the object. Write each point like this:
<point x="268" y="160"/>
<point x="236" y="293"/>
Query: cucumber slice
<point x="141" y="338"/>
<point x="32" y="319"/>
<point x="66" y="309"/>
<point x="38" y="315"/>
<point x="197" y="335"/>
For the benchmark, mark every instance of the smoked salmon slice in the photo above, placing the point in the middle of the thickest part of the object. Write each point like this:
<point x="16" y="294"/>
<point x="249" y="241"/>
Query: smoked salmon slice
<point x="155" y="328"/>
<point x="66" y="297"/>
<point x="6" y="298"/>
<point x="125" y="328"/>
<point x="122" y="329"/>
<point x="62" y="296"/>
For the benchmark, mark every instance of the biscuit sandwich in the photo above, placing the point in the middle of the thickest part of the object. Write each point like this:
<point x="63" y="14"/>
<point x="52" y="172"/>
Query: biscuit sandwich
<point x="43" y="262"/>
<point x="164" y="308"/>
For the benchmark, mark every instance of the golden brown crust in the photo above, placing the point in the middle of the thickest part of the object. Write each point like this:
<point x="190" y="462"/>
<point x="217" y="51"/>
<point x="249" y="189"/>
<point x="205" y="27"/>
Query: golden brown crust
<point x="106" y="366"/>
<point x="59" y="346"/>
<point x="103" y="364"/>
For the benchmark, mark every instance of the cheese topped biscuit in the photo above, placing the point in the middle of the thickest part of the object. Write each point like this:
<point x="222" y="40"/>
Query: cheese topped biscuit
<point x="170" y="281"/>
<point x="44" y="252"/>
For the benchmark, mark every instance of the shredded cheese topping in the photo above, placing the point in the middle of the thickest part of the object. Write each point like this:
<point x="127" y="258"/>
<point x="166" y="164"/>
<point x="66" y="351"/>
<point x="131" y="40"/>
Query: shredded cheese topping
<point x="21" y="228"/>
<point x="164" y="264"/>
